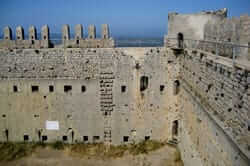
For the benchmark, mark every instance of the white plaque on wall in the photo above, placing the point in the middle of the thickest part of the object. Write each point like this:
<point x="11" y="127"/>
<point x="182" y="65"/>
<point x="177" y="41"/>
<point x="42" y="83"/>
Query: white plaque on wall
<point x="52" y="125"/>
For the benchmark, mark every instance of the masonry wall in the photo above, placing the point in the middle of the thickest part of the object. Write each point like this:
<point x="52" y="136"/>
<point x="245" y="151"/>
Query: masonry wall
<point x="102" y="108"/>
<point x="214" y="100"/>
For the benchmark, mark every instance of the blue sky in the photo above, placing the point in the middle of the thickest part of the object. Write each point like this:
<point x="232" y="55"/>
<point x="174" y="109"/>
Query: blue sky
<point x="125" y="17"/>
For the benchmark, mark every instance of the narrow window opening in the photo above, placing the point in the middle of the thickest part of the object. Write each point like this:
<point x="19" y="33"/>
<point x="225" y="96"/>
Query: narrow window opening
<point x="44" y="37"/>
<point x="123" y="88"/>
<point x="51" y="88"/>
<point x="85" y="138"/>
<point x="18" y="37"/>
<point x="32" y="42"/>
<point x="175" y="128"/>
<point x="98" y="46"/>
<point x="176" y="87"/>
<point x="248" y="128"/>
<point x="65" y="138"/>
<point x="77" y="41"/>
<point x="15" y="89"/>
<point x="143" y="83"/>
<point x="6" y="131"/>
<point x="104" y="37"/>
<point x="72" y="135"/>
<point x="83" y="88"/>
<point x="162" y="87"/>
<point x="147" y="138"/>
<point x="39" y="135"/>
<point x="26" y="137"/>
<point x="44" y="138"/>
<point x="67" y="88"/>
<point x="125" y="138"/>
<point x="34" y="88"/>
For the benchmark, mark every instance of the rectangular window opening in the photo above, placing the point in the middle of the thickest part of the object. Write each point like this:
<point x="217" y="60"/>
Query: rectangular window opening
<point x="83" y="88"/>
<point x="123" y="88"/>
<point x="51" y="88"/>
<point x="67" y="88"/>
<point x="26" y="137"/>
<point x="34" y="88"/>
<point x="15" y="89"/>
<point x="143" y="83"/>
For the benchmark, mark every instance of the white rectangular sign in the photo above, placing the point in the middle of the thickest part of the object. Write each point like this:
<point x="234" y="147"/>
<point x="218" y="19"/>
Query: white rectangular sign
<point x="52" y="125"/>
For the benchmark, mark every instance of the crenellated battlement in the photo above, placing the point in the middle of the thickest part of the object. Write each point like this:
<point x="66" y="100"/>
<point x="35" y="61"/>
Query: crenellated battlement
<point x="79" y="41"/>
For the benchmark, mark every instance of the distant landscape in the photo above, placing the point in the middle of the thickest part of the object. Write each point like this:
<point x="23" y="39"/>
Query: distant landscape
<point x="119" y="41"/>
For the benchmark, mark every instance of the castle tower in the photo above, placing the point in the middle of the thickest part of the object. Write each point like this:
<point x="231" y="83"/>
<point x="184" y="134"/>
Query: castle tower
<point x="105" y="31"/>
<point x="45" y="32"/>
<point x="19" y="33"/>
<point x="78" y="32"/>
<point x="65" y="32"/>
<point x="91" y="32"/>
<point x="32" y="33"/>
<point x="7" y="33"/>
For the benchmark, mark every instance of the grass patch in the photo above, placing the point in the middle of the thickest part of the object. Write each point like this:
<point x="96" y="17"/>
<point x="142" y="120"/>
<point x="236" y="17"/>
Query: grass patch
<point x="13" y="151"/>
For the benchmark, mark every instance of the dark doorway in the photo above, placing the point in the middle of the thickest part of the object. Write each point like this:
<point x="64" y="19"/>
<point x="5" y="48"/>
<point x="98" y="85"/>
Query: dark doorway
<point x="180" y="39"/>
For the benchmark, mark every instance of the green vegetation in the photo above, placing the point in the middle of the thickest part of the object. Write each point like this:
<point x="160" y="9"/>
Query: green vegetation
<point x="12" y="151"/>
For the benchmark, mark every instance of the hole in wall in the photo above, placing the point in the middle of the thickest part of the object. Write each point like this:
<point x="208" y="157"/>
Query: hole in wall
<point x="4" y="116"/>
<point x="85" y="138"/>
<point x="67" y="88"/>
<point x="147" y="138"/>
<point x="44" y="138"/>
<point x="123" y="88"/>
<point x="175" y="128"/>
<point x="125" y="138"/>
<point x="143" y="83"/>
<point x="51" y="88"/>
<point x="34" y="88"/>
<point x="15" y="89"/>
<point x="83" y="88"/>
<point x="65" y="138"/>
<point x="162" y="87"/>
<point x="26" y="137"/>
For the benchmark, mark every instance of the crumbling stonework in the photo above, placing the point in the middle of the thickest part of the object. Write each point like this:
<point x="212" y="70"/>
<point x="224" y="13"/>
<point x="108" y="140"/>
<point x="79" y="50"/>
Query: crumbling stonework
<point x="78" y="42"/>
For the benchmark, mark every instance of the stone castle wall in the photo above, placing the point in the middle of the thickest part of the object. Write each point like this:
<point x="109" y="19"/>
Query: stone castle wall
<point x="215" y="108"/>
<point x="93" y="94"/>
<point x="78" y="42"/>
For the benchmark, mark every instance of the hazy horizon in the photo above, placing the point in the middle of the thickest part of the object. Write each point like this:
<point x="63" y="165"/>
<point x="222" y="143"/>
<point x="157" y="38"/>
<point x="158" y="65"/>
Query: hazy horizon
<point x="126" y="18"/>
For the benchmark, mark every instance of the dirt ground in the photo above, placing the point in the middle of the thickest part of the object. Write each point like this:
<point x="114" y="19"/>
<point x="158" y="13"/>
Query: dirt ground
<point x="165" y="156"/>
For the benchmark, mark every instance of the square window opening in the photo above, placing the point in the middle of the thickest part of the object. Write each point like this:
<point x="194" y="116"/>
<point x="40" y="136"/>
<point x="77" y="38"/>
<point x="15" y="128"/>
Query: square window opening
<point x="125" y="138"/>
<point x="44" y="138"/>
<point x="34" y="88"/>
<point x="147" y="138"/>
<point x="85" y="138"/>
<point x="67" y="88"/>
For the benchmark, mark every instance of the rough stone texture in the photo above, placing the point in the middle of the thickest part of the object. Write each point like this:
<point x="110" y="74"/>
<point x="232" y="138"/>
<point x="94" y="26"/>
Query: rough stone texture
<point x="78" y="42"/>
<point x="215" y="108"/>
<point x="102" y="109"/>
